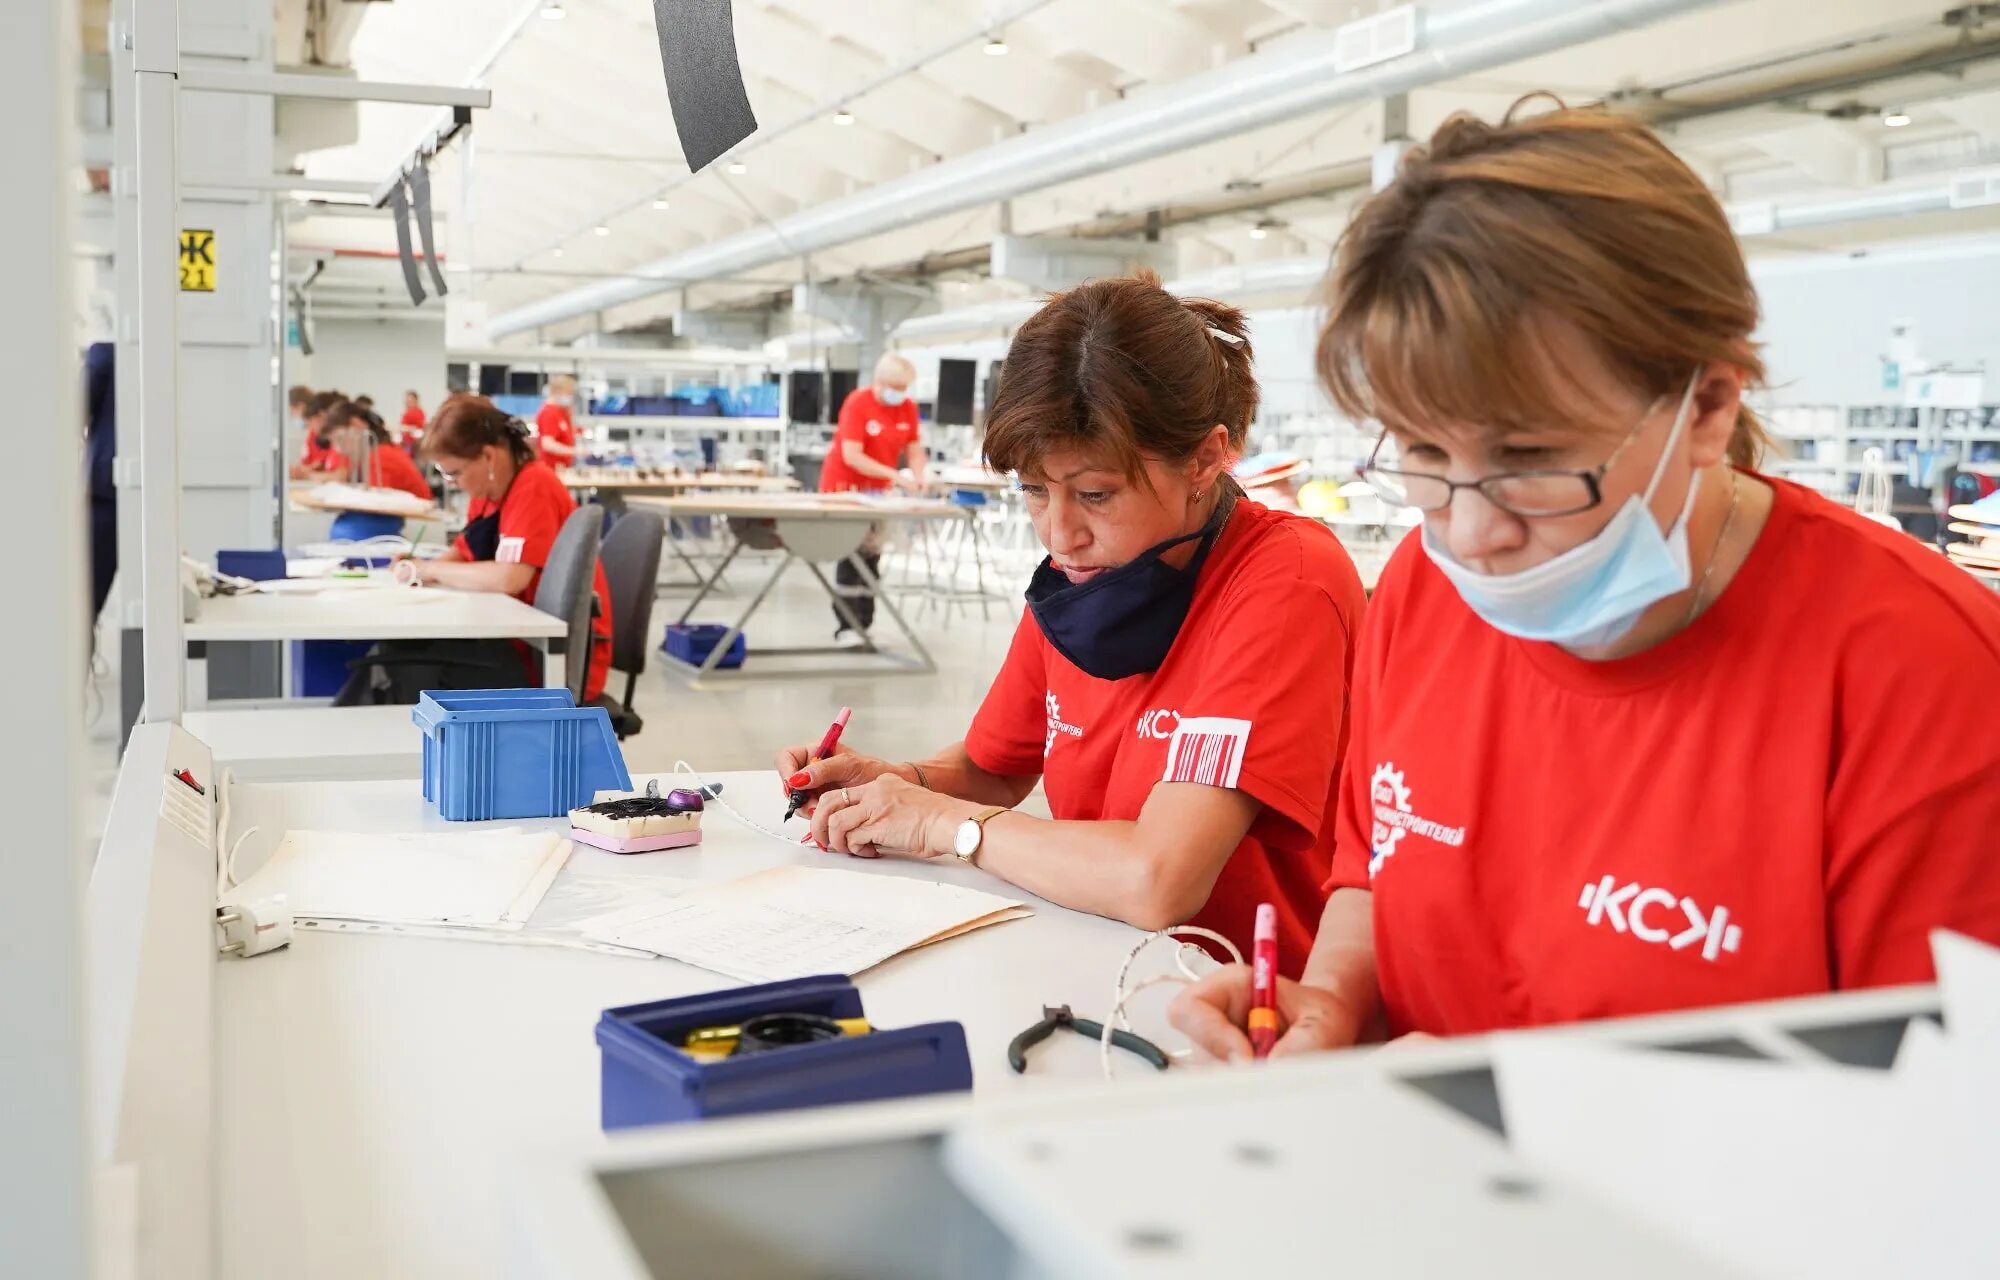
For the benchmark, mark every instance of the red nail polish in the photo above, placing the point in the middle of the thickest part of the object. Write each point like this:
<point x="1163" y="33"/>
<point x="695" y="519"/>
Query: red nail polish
<point x="799" y="779"/>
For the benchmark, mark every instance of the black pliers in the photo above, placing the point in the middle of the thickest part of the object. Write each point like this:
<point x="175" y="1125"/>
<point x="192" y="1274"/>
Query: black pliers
<point x="1054" y="1016"/>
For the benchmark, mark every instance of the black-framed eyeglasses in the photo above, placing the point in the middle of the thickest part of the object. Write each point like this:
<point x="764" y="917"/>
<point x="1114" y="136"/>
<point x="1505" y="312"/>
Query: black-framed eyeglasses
<point x="1521" y="493"/>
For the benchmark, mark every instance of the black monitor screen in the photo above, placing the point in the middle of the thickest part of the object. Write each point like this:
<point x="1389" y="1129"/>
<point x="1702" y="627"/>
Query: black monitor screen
<point x="954" y="392"/>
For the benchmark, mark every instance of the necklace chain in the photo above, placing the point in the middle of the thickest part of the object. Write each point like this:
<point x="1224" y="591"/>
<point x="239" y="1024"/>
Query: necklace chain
<point x="1695" y="606"/>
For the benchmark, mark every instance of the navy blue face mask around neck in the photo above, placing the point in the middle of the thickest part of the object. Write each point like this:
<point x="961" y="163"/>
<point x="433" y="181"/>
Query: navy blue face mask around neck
<point x="1123" y="621"/>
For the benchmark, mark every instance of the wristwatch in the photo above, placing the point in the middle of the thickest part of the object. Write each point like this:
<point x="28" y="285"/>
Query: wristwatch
<point x="972" y="833"/>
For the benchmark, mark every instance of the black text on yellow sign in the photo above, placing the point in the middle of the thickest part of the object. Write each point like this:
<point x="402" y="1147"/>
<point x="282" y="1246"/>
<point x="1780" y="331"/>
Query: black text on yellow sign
<point x="197" y="261"/>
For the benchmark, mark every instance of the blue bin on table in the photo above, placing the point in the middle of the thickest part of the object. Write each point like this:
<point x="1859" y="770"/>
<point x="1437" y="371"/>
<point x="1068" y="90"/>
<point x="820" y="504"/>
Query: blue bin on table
<point x="646" y="1079"/>
<point x="515" y="753"/>
<point x="693" y="642"/>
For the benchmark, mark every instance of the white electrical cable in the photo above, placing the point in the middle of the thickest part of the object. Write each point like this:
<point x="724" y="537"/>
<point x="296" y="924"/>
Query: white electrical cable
<point x="702" y="785"/>
<point x="225" y="850"/>
<point x="1121" y="996"/>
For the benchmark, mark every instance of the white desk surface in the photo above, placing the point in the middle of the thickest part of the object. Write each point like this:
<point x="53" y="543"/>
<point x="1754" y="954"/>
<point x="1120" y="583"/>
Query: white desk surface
<point x="804" y="506"/>
<point x="617" y="481"/>
<point x="349" y="615"/>
<point x="312" y="741"/>
<point x="369" y="1088"/>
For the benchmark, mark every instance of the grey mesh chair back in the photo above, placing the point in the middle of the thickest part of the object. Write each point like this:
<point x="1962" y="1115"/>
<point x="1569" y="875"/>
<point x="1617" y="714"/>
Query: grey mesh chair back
<point x="565" y="588"/>
<point x="631" y="559"/>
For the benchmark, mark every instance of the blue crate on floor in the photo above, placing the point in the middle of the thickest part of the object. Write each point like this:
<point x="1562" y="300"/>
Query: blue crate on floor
<point x="515" y="753"/>
<point x="646" y="1079"/>
<point x="692" y="643"/>
<point x="319" y="667"/>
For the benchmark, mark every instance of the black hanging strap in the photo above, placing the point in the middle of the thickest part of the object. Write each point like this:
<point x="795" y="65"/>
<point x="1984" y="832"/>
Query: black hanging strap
<point x="704" y="80"/>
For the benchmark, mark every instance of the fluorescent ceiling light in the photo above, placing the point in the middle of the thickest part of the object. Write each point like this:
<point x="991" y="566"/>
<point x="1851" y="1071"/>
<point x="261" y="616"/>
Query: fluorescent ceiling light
<point x="661" y="203"/>
<point x="1259" y="231"/>
<point x="738" y="167"/>
<point x="558" y="252"/>
<point x="1895" y="119"/>
<point x="601" y="229"/>
<point x="996" y="48"/>
<point x="553" y="11"/>
<point x="843" y="116"/>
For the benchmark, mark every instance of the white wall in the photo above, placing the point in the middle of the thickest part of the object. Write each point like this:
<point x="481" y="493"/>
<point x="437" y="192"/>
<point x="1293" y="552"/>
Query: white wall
<point x="379" y="358"/>
<point x="1826" y="319"/>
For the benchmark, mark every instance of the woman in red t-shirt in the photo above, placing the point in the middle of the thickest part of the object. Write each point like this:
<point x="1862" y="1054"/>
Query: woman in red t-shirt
<point x="1635" y="727"/>
<point x="518" y="507"/>
<point x="555" y="430"/>
<point x="1179" y="682"/>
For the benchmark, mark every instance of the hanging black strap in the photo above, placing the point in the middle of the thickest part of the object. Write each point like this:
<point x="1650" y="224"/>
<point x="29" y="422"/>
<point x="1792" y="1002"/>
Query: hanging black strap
<point x="400" y="203"/>
<point x="420" y="191"/>
<point x="704" y="80"/>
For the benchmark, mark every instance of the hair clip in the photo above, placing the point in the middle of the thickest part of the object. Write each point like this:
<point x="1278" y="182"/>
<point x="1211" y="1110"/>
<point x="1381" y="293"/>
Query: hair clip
<point x="1224" y="335"/>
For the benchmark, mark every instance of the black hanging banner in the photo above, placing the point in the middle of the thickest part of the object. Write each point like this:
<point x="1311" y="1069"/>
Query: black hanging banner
<point x="704" y="80"/>
<point x="420" y="189"/>
<point x="400" y="203"/>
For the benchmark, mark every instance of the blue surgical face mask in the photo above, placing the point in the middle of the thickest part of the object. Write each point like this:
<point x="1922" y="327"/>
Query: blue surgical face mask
<point x="1123" y="621"/>
<point x="1592" y="594"/>
<point x="890" y="396"/>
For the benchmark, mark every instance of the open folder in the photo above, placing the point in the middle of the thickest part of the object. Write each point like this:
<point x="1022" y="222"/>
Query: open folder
<point x="794" y="922"/>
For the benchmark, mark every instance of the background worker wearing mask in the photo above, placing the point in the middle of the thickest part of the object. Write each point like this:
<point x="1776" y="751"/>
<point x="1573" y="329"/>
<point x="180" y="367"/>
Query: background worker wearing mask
<point x="1635" y="728"/>
<point x="1179" y="683"/>
<point x="878" y="433"/>
<point x="555" y="430"/>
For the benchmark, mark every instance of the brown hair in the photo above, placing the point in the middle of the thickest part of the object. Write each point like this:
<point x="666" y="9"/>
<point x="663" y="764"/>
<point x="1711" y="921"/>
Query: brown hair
<point x="465" y="424"/>
<point x="323" y="402"/>
<point x="1436" y="300"/>
<point x="1121" y="367"/>
<point x="298" y="397"/>
<point x="349" y="410"/>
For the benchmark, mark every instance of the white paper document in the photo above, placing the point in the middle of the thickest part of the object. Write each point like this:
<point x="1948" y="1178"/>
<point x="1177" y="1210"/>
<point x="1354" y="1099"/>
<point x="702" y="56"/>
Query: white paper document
<point x="489" y="879"/>
<point x="794" y="922"/>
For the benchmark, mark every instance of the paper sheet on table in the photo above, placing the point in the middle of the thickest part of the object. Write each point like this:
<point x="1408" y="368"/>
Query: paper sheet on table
<point x="481" y="879"/>
<point x="794" y="922"/>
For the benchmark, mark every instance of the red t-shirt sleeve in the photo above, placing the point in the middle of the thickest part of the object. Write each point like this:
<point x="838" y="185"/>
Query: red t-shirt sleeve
<point x="531" y="517"/>
<point x="1010" y="730"/>
<point x="1915" y="796"/>
<point x="1275" y="682"/>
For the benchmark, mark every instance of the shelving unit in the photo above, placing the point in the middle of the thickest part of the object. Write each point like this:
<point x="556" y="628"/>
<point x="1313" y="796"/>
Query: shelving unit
<point x="1824" y="443"/>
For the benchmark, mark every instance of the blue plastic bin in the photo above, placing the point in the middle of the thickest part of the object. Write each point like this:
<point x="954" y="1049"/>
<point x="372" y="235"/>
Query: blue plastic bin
<point x="515" y="753"/>
<point x="258" y="566"/>
<point x="319" y="667"/>
<point x="646" y="1079"/>
<point x="693" y="642"/>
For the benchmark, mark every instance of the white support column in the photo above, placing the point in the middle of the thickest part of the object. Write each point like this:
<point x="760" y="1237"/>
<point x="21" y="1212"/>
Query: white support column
<point x="156" y="63"/>
<point x="45" y="1216"/>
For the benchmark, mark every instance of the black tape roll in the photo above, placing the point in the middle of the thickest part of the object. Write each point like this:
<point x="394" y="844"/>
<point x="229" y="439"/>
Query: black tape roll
<point x="784" y="1030"/>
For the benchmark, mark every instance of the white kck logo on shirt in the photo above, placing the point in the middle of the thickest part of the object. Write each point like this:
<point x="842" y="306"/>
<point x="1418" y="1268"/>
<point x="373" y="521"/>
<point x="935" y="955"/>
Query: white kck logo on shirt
<point x="1627" y="910"/>
<point x="1159" y="725"/>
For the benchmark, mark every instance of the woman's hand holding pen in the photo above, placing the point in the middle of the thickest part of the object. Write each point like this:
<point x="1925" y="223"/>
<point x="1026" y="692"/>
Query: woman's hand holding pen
<point x="888" y="817"/>
<point x="1213" y="1012"/>
<point x="798" y="771"/>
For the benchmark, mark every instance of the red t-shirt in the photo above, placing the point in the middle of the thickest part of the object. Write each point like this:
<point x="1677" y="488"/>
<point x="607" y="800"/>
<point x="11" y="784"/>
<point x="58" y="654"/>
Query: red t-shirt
<point x="323" y="457"/>
<point x="1252" y="696"/>
<point x="412" y="424"/>
<point x="1783" y="799"/>
<point x="413" y="417"/>
<point x="531" y="514"/>
<point x="391" y="468"/>
<point x="884" y="432"/>
<point x="555" y="435"/>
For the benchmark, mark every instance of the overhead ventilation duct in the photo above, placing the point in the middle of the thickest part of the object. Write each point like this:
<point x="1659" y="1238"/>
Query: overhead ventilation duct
<point x="1048" y="263"/>
<point x="1750" y="220"/>
<point x="1266" y="88"/>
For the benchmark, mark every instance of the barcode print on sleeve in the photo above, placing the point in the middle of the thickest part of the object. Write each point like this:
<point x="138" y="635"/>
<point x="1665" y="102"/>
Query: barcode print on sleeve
<point x="510" y="550"/>
<point x="1208" y="751"/>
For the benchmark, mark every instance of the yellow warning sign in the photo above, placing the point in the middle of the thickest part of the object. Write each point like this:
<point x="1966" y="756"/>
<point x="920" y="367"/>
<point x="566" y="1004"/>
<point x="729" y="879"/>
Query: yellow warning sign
<point x="197" y="261"/>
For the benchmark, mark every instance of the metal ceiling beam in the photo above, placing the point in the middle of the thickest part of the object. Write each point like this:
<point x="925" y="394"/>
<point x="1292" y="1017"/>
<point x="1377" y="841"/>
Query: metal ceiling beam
<point x="1250" y="93"/>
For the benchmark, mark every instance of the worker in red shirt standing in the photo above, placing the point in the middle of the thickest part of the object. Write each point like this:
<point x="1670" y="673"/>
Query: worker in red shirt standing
<point x="555" y="430"/>
<point x="412" y="423"/>
<point x="1179" y="682"/>
<point x="517" y="508"/>
<point x="1635" y="727"/>
<point x="877" y="435"/>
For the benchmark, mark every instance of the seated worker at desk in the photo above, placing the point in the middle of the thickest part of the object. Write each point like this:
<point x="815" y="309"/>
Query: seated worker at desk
<point x="364" y="455"/>
<point x="1179" y="682"/>
<point x="1635" y="727"/>
<point x="319" y="458"/>
<point x="518" y="506"/>
<point x="878" y="433"/>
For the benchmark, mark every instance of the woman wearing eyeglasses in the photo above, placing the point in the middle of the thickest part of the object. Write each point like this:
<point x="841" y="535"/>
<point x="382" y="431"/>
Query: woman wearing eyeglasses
<point x="1636" y="728"/>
